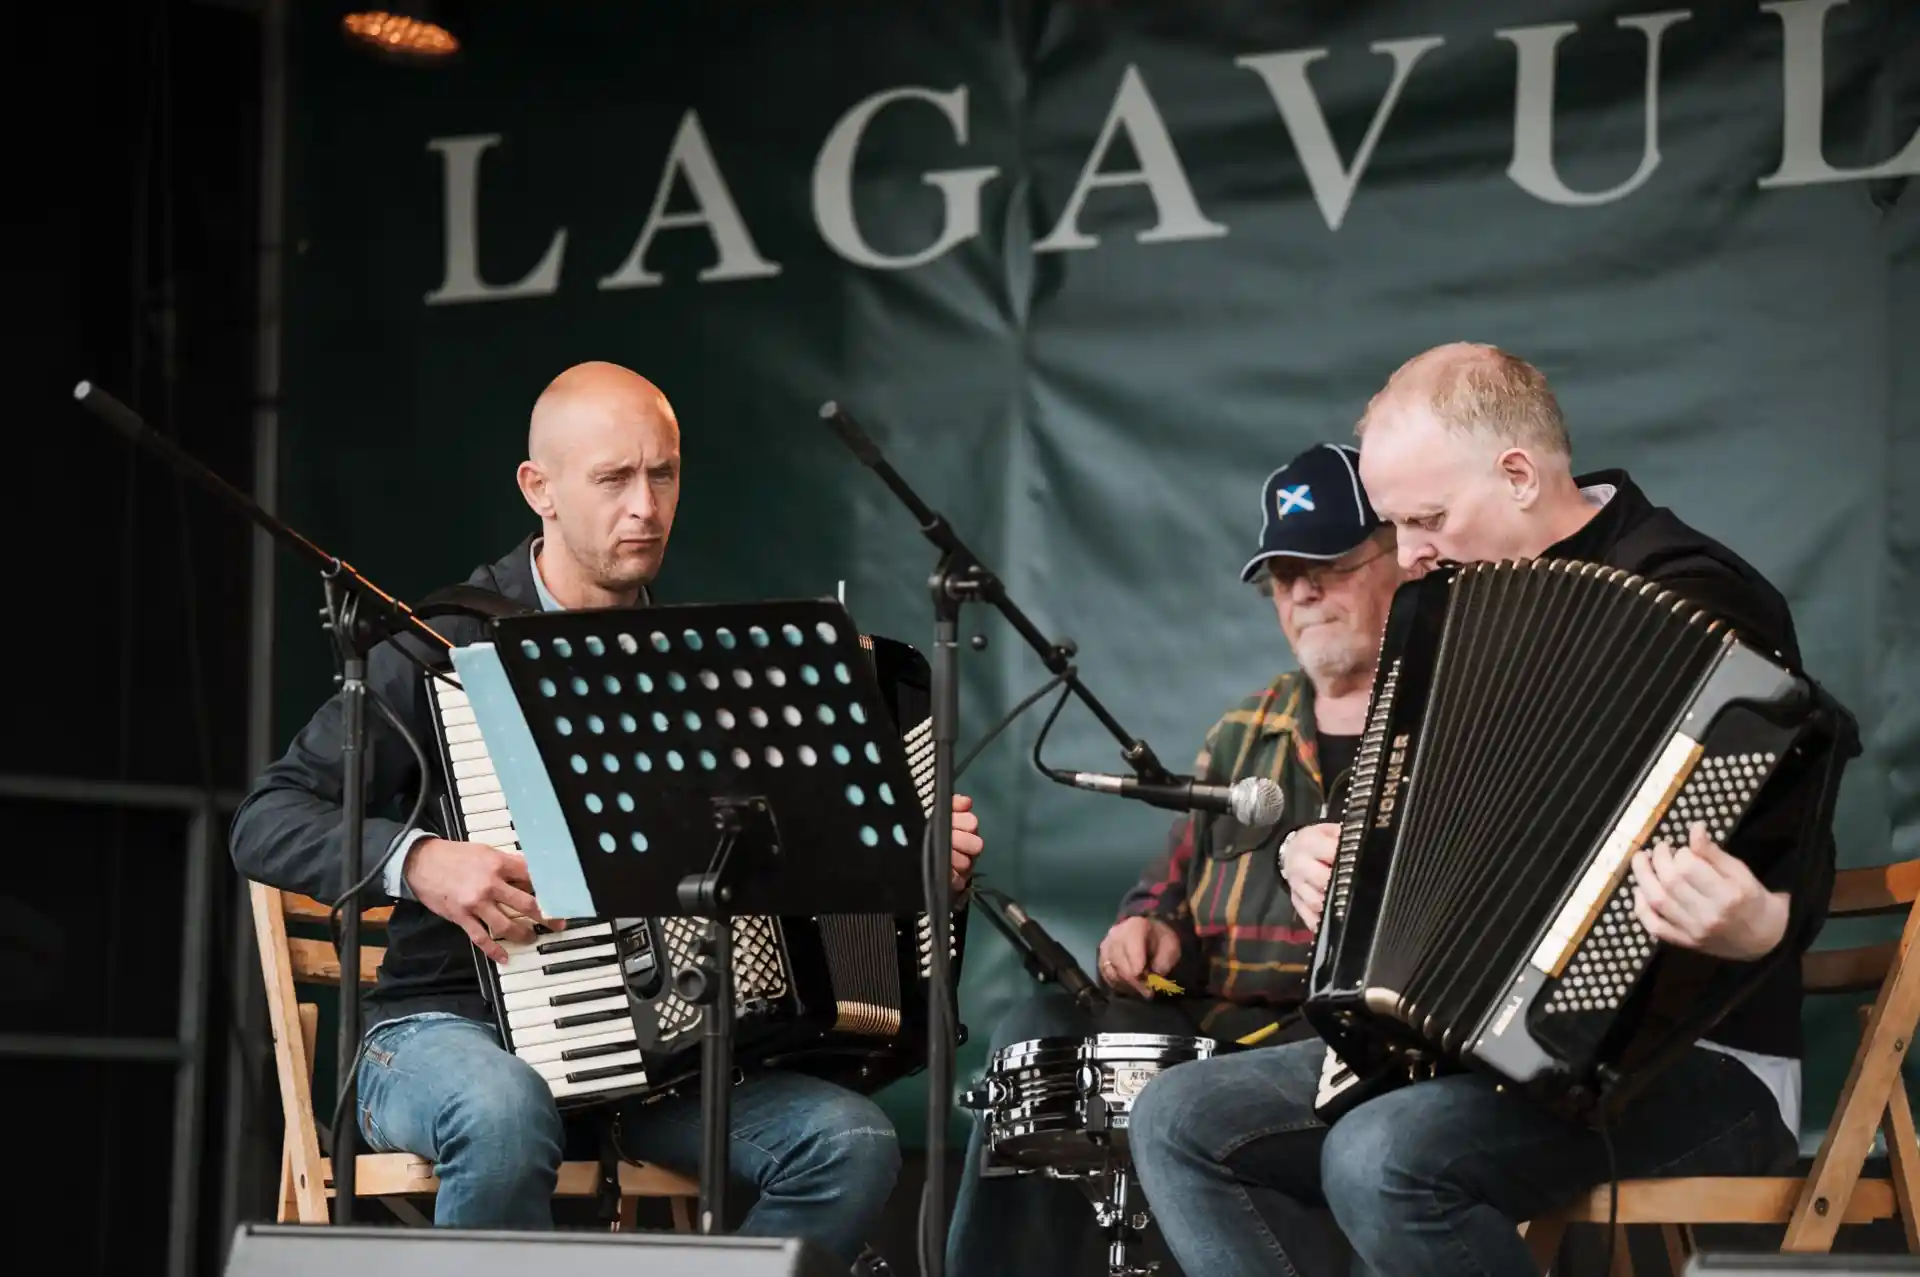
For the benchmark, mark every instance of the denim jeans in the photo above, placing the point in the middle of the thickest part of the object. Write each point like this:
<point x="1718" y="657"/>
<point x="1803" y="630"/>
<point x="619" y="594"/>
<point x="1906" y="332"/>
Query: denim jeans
<point x="822" y="1158"/>
<point x="1427" y="1181"/>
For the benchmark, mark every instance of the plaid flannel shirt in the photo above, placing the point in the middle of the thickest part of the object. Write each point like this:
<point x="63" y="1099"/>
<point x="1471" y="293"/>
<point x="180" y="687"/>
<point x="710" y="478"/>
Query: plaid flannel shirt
<point x="1244" y="950"/>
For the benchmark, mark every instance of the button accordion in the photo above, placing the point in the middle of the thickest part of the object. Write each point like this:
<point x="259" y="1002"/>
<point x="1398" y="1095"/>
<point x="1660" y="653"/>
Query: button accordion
<point x="1531" y="724"/>
<point x="592" y="1007"/>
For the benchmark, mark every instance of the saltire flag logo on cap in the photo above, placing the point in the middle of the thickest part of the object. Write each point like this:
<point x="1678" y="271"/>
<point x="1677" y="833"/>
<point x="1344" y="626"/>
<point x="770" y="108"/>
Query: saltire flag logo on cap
<point x="1298" y="497"/>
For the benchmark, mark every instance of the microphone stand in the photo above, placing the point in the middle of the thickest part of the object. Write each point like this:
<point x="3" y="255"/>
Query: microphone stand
<point x="960" y="578"/>
<point x="358" y="615"/>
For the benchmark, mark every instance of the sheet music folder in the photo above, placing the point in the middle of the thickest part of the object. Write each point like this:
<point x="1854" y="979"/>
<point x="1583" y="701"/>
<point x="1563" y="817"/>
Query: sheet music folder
<point x="614" y="732"/>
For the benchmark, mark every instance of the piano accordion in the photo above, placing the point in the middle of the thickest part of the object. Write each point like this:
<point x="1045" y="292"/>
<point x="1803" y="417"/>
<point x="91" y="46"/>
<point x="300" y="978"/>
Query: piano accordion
<point x="592" y="1006"/>
<point x="1531" y="724"/>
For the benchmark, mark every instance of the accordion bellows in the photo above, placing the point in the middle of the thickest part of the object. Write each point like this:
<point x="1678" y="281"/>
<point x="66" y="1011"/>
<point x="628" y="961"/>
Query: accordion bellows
<point x="1531" y="725"/>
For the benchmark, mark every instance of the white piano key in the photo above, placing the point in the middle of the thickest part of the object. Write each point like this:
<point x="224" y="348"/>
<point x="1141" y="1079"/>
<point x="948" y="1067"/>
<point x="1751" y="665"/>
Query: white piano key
<point x="467" y="750"/>
<point x="607" y="978"/>
<point x="462" y="716"/>
<point x="546" y="939"/>
<point x="530" y="962"/>
<point x="557" y="1070"/>
<point x="464" y="768"/>
<point x="462" y="733"/>
<point x="478" y="802"/>
<point x="491" y="822"/>
<point x="547" y="1030"/>
<point x="567" y="1090"/>
<point x="535" y="978"/>
<point x="585" y="930"/>
<point x="610" y="1034"/>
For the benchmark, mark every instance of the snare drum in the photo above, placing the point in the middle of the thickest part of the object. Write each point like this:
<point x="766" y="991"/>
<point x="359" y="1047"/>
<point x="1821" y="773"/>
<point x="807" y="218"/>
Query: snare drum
<point x="1061" y="1104"/>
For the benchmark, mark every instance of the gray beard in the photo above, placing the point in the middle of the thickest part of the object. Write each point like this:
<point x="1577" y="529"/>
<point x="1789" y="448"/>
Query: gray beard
<point x="1325" y="660"/>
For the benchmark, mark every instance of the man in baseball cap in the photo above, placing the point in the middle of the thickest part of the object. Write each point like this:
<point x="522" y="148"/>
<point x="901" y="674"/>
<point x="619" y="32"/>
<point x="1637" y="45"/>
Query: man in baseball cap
<point x="1208" y="942"/>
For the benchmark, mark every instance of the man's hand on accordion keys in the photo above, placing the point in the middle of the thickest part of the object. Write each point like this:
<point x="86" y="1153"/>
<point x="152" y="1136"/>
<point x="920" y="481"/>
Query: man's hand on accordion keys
<point x="484" y="891"/>
<point x="1306" y="862"/>
<point x="1699" y="897"/>
<point x="967" y="842"/>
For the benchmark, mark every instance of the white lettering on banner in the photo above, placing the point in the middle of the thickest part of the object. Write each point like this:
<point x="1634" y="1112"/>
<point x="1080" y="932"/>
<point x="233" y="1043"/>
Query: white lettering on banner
<point x="1178" y="217"/>
<point x="692" y="157"/>
<point x="833" y="182"/>
<point x="1532" y="168"/>
<point x="1286" y="78"/>
<point x="1178" y="212"/>
<point x="1804" y="87"/>
<point x="460" y="281"/>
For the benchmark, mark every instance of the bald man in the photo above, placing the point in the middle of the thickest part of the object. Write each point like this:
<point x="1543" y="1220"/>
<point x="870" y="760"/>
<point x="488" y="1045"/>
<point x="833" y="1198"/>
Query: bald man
<point x="1466" y="453"/>
<point x="603" y="475"/>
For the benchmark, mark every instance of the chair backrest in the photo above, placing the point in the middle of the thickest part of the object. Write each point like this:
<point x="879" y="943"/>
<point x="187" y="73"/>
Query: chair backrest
<point x="1863" y="893"/>
<point x="1891" y="969"/>
<point x="286" y="962"/>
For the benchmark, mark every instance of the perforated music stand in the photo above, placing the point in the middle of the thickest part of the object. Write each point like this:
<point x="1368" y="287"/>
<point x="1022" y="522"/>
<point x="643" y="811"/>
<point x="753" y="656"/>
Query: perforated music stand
<point x="701" y="761"/>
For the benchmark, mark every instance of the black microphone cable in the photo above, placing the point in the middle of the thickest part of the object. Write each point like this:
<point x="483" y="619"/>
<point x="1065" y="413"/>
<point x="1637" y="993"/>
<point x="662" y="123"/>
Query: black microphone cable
<point x="372" y="875"/>
<point x="940" y="1003"/>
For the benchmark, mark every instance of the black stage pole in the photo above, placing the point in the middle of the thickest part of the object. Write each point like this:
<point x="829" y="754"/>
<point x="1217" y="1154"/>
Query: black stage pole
<point x="349" y="597"/>
<point x="960" y="578"/>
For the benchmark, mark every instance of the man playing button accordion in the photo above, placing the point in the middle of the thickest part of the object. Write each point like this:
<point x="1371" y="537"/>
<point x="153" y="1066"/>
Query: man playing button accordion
<point x="603" y="475"/>
<point x="1213" y="914"/>
<point x="1466" y="453"/>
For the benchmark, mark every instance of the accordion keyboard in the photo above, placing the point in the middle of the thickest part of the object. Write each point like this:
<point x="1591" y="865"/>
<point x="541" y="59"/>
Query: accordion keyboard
<point x="564" y="998"/>
<point x="480" y="805"/>
<point x="561" y="999"/>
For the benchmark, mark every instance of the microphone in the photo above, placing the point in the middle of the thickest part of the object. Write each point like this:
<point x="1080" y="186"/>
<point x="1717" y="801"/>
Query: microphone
<point x="1254" y="801"/>
<point x="1047" y="958"/>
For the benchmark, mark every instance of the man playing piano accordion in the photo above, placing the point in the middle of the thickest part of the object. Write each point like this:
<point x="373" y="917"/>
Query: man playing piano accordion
<point x="1213" y="913"/>
<point x="1466" y="453"/>
<point x="603" y="474"/>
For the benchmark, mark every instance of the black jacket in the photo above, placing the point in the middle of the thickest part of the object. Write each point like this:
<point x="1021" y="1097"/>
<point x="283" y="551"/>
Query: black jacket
<point x="1632" y="533"/>
<point x="287" y="832"/>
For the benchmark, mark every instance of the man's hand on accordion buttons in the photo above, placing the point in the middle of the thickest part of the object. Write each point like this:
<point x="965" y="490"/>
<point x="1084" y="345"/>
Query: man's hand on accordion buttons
<point x="1133" y="948"/>
<point x="1306" y="861"/>
<point x="1699" y="897"/>
<point x="482" y="890"/>
<point x="967" y="842"/>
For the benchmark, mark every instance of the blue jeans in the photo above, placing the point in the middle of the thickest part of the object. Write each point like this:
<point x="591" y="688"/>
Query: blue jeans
<point x="822" y="1158"/>
<point x="1019" y="1223"/>
<point x="1427" y="1181"/>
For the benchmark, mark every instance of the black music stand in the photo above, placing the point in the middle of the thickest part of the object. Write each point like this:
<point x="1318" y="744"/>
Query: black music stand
<point x="705" y="762"/>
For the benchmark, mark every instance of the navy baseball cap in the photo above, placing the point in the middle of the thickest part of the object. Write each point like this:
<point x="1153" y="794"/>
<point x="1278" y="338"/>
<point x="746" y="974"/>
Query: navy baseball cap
<point x="1313" y="508"/>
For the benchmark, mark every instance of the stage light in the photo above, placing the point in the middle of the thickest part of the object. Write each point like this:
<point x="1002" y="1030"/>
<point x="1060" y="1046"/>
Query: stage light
<point x="404" y="31"/>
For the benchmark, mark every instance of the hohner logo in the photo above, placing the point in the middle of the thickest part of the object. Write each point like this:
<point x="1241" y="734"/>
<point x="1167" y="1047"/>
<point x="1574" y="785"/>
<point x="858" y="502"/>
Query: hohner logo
<point x="1390" y="785"/>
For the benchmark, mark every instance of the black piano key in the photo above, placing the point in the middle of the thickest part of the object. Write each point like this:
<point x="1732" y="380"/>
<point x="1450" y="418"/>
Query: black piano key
<point x="591" y="1017"/>
<point x="588" y="1052"/>
<point x="568" y="943"/>
<point x="578" y="964"/>
<point x="612" y="1070"/>
<point x="585" y="995"/>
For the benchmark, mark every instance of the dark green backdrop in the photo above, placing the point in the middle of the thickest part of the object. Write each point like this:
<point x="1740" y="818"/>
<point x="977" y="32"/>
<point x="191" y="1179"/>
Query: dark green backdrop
<point x="1725" y="304"/>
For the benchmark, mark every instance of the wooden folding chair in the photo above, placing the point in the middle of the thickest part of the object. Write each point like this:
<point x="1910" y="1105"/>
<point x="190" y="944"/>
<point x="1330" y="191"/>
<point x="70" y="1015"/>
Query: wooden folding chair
<point x="1834" y="1192"/>
<point x="306" y="1178"/>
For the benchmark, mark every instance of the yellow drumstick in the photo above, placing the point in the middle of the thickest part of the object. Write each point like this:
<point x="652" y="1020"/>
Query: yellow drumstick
<point x="1258" y="1035"/>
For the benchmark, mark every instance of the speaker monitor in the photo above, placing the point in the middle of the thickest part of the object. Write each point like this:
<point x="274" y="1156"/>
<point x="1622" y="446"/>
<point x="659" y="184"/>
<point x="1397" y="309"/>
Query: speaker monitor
<point x="294" y="1250"/>
<point x="1778" y="1265"/>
